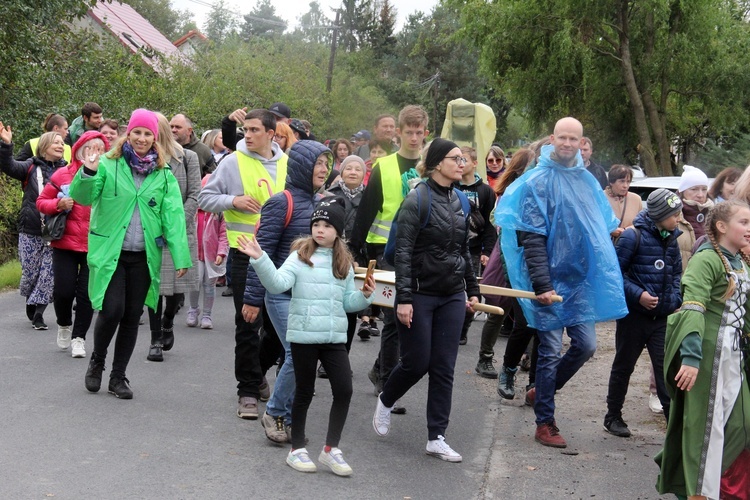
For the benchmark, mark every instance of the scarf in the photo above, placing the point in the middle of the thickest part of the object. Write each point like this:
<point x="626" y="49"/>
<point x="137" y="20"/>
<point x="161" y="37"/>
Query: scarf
<point x="494" y="175"/>
<point x="695" y="213"/>
<point x="140" y="165"/>
<point x="350" y="193"/>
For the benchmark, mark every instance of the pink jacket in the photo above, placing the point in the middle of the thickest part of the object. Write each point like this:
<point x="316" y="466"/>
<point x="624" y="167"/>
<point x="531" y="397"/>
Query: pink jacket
<point x="76" y="235"/>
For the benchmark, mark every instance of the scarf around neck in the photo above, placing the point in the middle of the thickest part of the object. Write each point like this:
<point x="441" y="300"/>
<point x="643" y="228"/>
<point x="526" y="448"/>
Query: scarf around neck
<point x="350" y="193"/>
<point x="140" y="165"/>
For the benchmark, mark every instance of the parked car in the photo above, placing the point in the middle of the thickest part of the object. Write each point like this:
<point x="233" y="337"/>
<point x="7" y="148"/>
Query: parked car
<point x="644" y="186"/>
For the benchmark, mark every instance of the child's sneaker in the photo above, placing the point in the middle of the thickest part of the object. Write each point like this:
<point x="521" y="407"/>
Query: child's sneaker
<point x="300" y="460"/>
<point x="374" y="332"/>
<point x="192" y="317"/>
<point x="334" y="460"/>
<point x="364" y="330"/>
<point x="206" y="323"/>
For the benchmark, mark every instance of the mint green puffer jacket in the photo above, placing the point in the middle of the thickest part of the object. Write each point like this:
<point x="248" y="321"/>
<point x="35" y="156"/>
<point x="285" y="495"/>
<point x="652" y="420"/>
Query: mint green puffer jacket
<point x="317" y="312"/>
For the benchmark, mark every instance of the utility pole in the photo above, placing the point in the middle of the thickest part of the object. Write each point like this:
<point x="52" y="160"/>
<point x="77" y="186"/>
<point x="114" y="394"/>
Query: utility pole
<point x="334" y="42"/>
<point x="436" y="84"/>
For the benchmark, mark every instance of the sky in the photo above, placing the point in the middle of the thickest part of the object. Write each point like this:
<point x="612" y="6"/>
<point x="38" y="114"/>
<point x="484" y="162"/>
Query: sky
<point x="290" y="10"/>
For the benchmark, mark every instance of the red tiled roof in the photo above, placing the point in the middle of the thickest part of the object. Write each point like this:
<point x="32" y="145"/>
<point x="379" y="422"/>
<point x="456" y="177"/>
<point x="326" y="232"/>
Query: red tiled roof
<point x="132" y="29"/>
<point x="187" y="36"/>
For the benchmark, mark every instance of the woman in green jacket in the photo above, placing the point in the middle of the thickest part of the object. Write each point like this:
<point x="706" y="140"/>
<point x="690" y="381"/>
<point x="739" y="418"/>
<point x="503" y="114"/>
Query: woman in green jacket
<point x="136" y="210"/>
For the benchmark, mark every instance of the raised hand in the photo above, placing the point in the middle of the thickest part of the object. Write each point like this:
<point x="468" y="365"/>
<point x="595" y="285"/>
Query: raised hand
<point x="238" y="115"/>
<point x="6" y="134"/>
<point x="91" y="157"/>
<point x="249" y="247"/>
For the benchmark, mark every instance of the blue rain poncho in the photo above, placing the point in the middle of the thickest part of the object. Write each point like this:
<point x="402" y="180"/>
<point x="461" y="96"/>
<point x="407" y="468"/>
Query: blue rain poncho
<point x="569" y="208"/>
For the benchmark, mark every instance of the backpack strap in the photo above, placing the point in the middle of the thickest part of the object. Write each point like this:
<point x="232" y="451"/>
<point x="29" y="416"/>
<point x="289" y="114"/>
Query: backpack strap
<point x="289" y="207"/>
<point x="637" y="239"/>
<point x="465" y="203"/>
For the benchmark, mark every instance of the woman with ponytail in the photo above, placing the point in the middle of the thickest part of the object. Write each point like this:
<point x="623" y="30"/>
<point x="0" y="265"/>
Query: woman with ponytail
<point x="708" y="433"/>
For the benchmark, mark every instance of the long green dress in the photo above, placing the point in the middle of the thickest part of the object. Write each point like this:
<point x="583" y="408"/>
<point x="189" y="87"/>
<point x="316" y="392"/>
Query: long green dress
<point x="709" y="425"/>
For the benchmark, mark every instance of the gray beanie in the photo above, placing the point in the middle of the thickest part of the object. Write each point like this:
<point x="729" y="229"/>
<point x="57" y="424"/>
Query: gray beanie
<point x="662" y="203"/>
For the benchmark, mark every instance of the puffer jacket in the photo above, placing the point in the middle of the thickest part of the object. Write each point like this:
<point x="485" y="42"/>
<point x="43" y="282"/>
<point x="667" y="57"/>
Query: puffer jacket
<point x="433" y="260"/>
<point x="76" y="234"/>
<point x="317" y="311"/>
<point x="655" y="268"/>
<point x="29" y="220"/>
<point x="272" y="236"/>
<point x="351" y="207"/>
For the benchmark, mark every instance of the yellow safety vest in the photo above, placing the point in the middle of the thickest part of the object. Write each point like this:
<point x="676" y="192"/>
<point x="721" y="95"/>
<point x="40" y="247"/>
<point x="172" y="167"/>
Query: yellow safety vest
<point x="66" y="151"/>
<point x="390" y="177"/>
<point x="256" y="182"/>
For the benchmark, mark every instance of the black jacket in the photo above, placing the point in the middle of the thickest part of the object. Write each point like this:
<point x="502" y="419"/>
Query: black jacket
<point x="229" y="135"/>
<point x="482" y="235"/>
<point x="29" y="220"/>
<point x="434" y="260"/>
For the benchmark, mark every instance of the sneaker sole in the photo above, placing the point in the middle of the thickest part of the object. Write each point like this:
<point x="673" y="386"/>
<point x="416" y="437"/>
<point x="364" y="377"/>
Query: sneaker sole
<point x="299" y="469"/>
<point x="492" y="376"/>
<point x="284" y="440"/>
<point x="247" y="416"/>
<point x="506" y="395"/>
<point x="340" y="473"/>
<point x="78" y="355"/>
<point x="618" y="434"/>
<point x="127" y="396"/>
<point x="445" y="458"/>
<point x="45" y="327"/>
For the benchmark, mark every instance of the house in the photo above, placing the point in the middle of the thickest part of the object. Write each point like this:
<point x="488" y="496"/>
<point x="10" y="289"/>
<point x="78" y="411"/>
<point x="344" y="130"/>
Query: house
<point x="133" y="31"/>
<point x="190" y="42"/>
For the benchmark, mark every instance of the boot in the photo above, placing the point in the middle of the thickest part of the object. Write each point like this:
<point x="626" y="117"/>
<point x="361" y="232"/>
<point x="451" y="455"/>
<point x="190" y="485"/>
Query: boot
<point x="93" y="379"/>
<point x="506" y="384"/>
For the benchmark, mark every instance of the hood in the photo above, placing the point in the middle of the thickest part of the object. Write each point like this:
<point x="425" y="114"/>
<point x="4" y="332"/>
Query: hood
<point x="192" y="142"/>
<point x="86" y="137"/>
<point x="477" y="180"/>
<point x="546" y="159"/>
<point x="302" y="158"/>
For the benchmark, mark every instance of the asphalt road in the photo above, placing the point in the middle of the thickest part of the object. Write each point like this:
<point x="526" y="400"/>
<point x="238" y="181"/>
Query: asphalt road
<point x="180" y="436"/>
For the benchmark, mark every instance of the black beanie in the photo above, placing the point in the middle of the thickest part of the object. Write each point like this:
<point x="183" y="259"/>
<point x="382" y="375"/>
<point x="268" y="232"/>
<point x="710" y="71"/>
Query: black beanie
<point x="662" y="203"/>
<point x="331" y="210"/>
<point x="439" y="149"/>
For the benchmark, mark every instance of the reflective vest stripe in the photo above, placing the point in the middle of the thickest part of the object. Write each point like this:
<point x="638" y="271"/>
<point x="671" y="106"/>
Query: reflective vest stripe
<point x="240" y="227"/>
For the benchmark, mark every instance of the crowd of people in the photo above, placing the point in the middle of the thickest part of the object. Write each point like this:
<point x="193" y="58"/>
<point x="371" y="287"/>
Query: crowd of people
<point x="151" y="212"/>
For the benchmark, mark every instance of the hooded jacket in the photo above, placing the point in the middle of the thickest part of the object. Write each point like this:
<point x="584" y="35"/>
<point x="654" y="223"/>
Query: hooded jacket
<point x="271" y="235"/>
<point x="655" y="266"/>
<point x="112" y="194"/>
<point x="482" y="234"/>
<point x="76" y="234"/>
<point x="29" y="219"/>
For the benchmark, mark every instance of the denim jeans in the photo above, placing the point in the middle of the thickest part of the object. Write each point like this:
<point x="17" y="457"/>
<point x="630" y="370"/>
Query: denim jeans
<point x="280" y="404"/>
<point x="553" y="370"/>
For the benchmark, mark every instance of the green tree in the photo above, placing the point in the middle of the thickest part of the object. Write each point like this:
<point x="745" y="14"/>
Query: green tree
<point x="314" y="26"/>
<point x="221" y="23"/>
<point x="171" y="23"/>
<point x="639" y="72"/>
<point x="383" y="39"/>
<point x="262" y="21"/>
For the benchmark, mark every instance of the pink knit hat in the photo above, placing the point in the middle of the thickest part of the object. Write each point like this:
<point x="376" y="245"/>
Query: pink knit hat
<point x="144" y="118"/>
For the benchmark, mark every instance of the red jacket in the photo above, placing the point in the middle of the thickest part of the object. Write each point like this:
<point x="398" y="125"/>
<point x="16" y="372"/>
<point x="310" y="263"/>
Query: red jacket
<point x="76" y="233"/>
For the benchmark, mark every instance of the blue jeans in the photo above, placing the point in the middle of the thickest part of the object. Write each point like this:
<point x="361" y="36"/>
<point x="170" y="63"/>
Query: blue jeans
<point x="280" y="404"/>
<point x="553" y="370"/>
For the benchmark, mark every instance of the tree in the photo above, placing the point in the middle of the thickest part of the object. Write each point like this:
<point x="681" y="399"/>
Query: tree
<point x="171" y="23"/>
<point x="643" y="72"/>
<point x="383" y="39"/>
<point x="262" y="21"/>
<point x="314" y="26"/>
<point x="356" y="23"/>
<point x="220" y="24"/>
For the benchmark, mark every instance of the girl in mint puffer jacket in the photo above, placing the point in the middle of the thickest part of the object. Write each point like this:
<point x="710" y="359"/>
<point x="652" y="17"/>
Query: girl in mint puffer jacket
<point x="320" y="275"/>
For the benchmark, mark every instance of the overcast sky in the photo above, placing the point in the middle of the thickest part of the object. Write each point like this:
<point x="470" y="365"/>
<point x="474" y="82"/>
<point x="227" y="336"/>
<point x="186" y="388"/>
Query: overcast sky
<point x="290" y="10"/>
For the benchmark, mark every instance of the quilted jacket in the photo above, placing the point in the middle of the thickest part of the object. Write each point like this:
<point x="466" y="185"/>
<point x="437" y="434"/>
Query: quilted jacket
<point x="272" y="236"/>
<point x="656" y="267"/>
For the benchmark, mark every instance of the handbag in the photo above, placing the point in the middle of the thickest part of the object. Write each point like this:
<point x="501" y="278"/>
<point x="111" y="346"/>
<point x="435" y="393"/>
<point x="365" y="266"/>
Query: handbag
<point x="53" y="226"/>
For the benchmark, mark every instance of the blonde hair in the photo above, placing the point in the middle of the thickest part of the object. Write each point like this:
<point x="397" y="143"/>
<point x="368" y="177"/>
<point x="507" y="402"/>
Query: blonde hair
<point x="45" y="141"/>
<point x="169" y="146"/>
<point x="421" y="168"/>
<point x="723" y="212"/>
<point x="342" y="258"/>
<point x="116" y="151"/>
<point x="471" y="152"/>
<point x="284" y="130"/>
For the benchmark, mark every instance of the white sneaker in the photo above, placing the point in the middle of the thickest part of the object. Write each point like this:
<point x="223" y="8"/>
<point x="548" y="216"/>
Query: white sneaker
<point x="654" y="404"/>
<point x="300" y="460"/>
<point x="381" y="421"/>
<point x="79" y="348"/>
<point x="63" y="336"/>
<point x="192" y="317"/>
<point x="439" y="448"/>
<point x="334" y="460"/>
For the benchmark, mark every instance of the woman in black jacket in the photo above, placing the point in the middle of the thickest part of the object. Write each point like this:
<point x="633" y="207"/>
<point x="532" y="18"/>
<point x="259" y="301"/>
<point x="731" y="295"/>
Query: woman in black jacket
<point x="433" y="278"/>
<point x="33" y="252"/>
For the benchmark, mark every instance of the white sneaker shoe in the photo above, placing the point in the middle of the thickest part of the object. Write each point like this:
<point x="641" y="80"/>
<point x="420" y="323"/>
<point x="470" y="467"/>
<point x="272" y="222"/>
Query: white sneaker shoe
<point x="654" y="404"/>
<point x="439" y="448"/>
<point x="334" y="460"/>
<point x="300" y="460"/>
<point x="79" y="348"/>
<point x="63" y="336"/>
<point x="192" y="317"/>
<point x="381" y="421"/>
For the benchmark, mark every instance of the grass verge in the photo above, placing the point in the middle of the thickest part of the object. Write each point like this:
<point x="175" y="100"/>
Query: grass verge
<point x="10" y="275"/>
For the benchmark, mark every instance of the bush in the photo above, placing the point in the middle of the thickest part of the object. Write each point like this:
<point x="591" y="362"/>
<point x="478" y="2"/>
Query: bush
<point x="10" y="275"/>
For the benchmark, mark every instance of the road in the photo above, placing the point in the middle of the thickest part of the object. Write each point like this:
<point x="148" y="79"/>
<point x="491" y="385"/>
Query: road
<point x="180" y="438"/>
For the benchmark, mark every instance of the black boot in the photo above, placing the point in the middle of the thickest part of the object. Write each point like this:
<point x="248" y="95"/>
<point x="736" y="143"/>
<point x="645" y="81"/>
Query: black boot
<point x="93" y="377"/>
<point x="120" y="388"/>
<point x="167" y="337"/>
<point x="155" y="352"/>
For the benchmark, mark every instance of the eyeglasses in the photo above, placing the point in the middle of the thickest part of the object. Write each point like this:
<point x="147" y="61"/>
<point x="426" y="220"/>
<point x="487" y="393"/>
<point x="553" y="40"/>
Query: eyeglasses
<point x="457" y="159"/>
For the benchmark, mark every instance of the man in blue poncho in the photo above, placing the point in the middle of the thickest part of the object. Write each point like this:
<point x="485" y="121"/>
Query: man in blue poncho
<point x="556" y="223"/>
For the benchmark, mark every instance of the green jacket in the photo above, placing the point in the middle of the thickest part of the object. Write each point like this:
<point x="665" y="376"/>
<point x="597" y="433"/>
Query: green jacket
<point x="113" y="195"/>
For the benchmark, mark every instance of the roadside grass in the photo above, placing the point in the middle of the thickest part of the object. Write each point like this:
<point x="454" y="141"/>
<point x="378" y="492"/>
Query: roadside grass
<point x="10" y="275"/>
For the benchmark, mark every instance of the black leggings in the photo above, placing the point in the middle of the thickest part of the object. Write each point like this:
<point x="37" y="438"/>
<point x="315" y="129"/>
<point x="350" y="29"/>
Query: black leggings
<point x="123" y="306"/>
<point x="335" y="361"/>
<point x="518" y="342"/>
<point x="163" y="317"/>
<point x="71" y="272"/>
